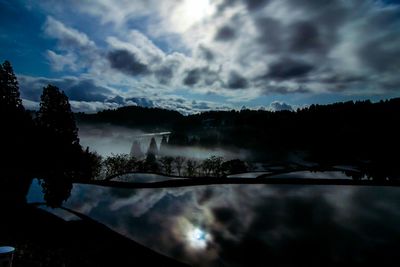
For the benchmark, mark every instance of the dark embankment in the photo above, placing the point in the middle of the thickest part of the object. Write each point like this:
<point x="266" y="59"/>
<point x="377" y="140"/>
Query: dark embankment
<point x="42" y="239"/>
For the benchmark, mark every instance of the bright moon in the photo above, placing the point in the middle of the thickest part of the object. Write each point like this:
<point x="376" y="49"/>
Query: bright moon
<point x="197" y="238"/>
<point x="191" y="12"/>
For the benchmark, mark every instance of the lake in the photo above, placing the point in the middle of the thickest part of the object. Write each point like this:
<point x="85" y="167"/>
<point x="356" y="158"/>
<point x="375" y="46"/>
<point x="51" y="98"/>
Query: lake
<point x="251" y="225"/>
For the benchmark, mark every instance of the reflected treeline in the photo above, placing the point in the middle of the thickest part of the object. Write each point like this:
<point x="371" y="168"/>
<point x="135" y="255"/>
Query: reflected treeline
<point x="41" y="144"/>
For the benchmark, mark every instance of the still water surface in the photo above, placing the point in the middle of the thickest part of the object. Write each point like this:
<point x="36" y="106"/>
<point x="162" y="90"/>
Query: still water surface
<point x="252" y="225"/>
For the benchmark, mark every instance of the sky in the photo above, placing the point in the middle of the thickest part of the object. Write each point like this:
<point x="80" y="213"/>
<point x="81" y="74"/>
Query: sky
<point x="198" y="55"/>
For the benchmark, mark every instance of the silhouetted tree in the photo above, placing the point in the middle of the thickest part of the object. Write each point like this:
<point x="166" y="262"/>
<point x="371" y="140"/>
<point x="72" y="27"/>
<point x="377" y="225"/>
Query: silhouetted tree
<point x="62" y="159"/>
<point x="191" y="167"/>
<point x="166" y="163"/>
<point x="212" y="166"/>
<point x="151" y="163"/>
<point x="178" y="163"/>
<point x="152" y="147"/>
<point x="234" y="166"/>
<point x="55" y="116"/>
<point x="91" y="165"/>
<point x="151" y="160"/>
<point x="9" y="89"/>
<point x="56" y="188"/>
<point x="16" y="138"/>
<point x="119" y="164"/>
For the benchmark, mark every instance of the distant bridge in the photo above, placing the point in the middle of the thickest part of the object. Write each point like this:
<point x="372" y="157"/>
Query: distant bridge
<point x="149" y="135"/>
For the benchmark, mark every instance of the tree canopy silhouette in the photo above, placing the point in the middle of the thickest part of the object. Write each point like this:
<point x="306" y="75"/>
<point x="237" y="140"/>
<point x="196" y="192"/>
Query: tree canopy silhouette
<point x="9" y="89"/>
<point x="16" y="136"/>
<point x="55" y="116"/>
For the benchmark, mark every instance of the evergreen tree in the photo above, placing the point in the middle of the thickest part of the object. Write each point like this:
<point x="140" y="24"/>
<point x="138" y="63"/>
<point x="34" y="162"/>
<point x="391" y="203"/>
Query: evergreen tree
<point x="151" y="161"/>
<point x="136" y="151"/>
<point x="55" y="116"/>
<point x="152" y="147"/>
<point x="9" y="89"/>
<point x="15" y="138"/>
<point x="163" y="146"/>
<point x="62" y="159"/>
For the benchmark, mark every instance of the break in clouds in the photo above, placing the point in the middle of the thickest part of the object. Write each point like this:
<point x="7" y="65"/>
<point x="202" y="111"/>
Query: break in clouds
<point x="111" y="53"/>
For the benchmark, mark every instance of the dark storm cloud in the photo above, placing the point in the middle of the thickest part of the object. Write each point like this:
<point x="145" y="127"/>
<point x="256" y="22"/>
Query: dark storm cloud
<point x="75" y="89"/>
<point x="164" y="74"/>
<point x="270" y="34"/>
<point x="305" y="37"/>
<point x="192" y="77"/>
<point x="200" y="75"/>
<point x="377" y="55"/>
<point x="288" y="68"/>
<point x="252" y="5"/>
<point x="343" y="78"/>
<point x="225" y="33"/>
<point x="284" y="90"/>
<point x="86" y="90"/>
<point x="117" y="99"/>
<point x="255" y="4"/>
<point x="127" y="62"/>
<point x="237" y="81"/>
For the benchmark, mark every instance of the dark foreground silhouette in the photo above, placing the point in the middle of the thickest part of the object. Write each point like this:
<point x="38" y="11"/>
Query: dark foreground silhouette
<point x="42" y="239"/>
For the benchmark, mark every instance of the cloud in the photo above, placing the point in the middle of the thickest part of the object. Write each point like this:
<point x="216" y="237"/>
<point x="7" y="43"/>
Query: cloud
<point x="234" y="49"/>
<point x="236" y="81"/>
<point x="68" y="37"/>
<point x="279" y="106"/>
<point x="193" y="76"/>
<point x="206" y="53"/>
<point x="75" y="49"/>
<point x="59" y="62"/>
<point x="78" y="89"/>
<point x="87" y="95"/>
<point x="288" y="68"/>
<point x="253" y="225"/>
<point x="141" y="101"/>
<point x="127" y="62"/>
<point x="200" y="75"/>
<point x="225" y="33"/>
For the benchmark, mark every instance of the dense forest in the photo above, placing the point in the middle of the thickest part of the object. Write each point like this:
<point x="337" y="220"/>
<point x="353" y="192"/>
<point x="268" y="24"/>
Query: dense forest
<point x="359" y="133"/>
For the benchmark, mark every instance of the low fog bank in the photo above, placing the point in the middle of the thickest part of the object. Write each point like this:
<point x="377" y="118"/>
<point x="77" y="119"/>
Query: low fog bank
<point x="106" y="139"/>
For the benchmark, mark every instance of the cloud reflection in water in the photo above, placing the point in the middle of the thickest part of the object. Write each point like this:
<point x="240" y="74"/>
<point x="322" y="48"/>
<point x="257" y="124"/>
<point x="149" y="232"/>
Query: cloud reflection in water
<point x="254" y="225"/>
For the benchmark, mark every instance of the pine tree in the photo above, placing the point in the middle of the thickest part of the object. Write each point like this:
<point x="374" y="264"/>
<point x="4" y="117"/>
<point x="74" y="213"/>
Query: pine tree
<point x="153" y="147"/>
<point x="15" y="138"/>
<point x="55" y="116"/>
<point x="163" y="146"/>
<point x="9" y="89"/>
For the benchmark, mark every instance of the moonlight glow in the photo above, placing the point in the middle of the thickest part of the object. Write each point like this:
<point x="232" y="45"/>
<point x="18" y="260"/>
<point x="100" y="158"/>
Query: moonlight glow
<point x="191" y="12"/>
<point x="197" y="238"/>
